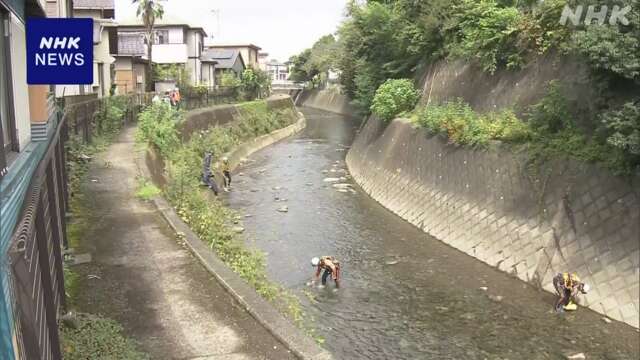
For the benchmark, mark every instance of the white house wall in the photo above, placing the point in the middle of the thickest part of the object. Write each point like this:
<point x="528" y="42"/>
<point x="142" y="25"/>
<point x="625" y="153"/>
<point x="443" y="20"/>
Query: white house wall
<point x="176" y="35"/>
<point x="19" y="77"/>
<point x="194" y="50"/>
<point x="101" y="55"/>
<point x="169" y="53"/>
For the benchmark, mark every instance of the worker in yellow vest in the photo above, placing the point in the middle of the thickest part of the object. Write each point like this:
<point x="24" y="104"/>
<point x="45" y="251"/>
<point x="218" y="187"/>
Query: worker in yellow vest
<point x="568" y="286"/>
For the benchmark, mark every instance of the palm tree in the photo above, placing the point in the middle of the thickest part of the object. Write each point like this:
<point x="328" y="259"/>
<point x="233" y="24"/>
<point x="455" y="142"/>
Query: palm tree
<point x="149" y="11"/>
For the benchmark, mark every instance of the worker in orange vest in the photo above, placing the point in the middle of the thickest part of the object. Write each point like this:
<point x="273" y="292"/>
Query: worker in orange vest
<point x="330" y="265"/>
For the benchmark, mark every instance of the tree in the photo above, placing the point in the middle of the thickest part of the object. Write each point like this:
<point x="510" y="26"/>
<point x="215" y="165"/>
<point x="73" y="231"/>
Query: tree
<point x="255" y="83"/>
<point x="317" y="60"/>
<point x="149" y="11"/>
<point x="298" y="67"/>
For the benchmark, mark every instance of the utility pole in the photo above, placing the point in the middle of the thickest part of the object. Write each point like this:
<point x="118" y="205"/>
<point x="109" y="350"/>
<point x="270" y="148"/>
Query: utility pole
<point x="217" y="13"/>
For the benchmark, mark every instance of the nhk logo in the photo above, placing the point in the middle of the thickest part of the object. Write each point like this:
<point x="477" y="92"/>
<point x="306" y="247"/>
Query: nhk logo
<point x="53" y="59"/>
<point x="59" y="51"/>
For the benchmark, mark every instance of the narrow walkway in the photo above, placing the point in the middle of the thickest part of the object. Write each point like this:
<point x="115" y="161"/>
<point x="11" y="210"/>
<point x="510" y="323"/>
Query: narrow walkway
<point x="141" y="276"/>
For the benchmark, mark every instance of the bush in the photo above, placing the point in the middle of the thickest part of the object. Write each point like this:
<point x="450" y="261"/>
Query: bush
<point x="551" y="115"/>
<point x="394" y="97"/>
<point x="98" y="338"/>
<point x="229" y="79"/>
<point x="488" y="33"/>
<point x="463" y="126"/>
<point x="157" y="125"/>
<point x="625" y="127"/>
<point x="255" y="84"/>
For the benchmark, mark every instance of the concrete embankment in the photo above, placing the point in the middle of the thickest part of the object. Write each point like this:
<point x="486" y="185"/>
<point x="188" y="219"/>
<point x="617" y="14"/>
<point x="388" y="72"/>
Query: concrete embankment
<point x="530" y="222"/>
<point x="295" y="340"/>
<point x="328" y="100"/>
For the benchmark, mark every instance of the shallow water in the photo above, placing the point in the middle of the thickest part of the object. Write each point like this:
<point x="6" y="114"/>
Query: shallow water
<point x="404" y="294"/>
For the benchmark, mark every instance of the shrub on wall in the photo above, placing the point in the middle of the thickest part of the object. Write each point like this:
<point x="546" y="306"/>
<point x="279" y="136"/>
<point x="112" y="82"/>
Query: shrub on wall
<point x="394" y="97"/>
<point x="463" y="126"/>
<point x="157" y="125"/>
<point x="625" y="127"/>
<point x="487" y="32"/>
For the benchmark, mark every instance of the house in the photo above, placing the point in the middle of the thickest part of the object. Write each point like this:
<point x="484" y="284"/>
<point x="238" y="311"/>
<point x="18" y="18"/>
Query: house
<point x="130" y="69"/>
<point x="175" y="42"/>
<point x="104" y="30"/>
<point x="249" y="53"/>
<point x="31" y="280"/>
<point x="262" y="60"/>
<point x="279" y="71"/>
<point x="225" y="61"/>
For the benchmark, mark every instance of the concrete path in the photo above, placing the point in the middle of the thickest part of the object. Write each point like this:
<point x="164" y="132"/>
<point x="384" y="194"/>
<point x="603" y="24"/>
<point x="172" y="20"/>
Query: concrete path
<point x="145" y="279"/>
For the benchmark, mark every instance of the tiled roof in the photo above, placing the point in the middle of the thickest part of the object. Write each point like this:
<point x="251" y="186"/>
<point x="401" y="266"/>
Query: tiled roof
<point x="225" y="58"/>
<point x="130" y="44"/>
<point x="94" y="4"/>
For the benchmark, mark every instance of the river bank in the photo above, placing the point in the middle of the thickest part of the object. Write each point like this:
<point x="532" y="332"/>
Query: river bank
<point x="397" y="300"/>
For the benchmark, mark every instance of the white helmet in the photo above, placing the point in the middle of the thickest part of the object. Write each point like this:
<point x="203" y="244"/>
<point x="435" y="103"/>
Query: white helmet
<point x="585" y="288"/>
<point x="315" y="261"/>
<point x="225" y="159"/>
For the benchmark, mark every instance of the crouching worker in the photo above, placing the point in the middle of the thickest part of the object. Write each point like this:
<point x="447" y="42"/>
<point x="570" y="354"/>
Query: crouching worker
<point x="568" y="286"/>
<point x="330" y="265"/>
<point x="207" y="176"/>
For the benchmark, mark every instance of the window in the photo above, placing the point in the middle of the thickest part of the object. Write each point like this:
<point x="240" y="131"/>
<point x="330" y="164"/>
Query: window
<point x="162" y="37"/>
<point x="8" y="142"/>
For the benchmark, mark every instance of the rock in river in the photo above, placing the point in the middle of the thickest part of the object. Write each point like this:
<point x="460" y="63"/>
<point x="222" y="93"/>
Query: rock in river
<point x="331" y="180"/>
<point x="237" y="229"/>
<point x="341" y="186"/>
<point x="577" y="356"/>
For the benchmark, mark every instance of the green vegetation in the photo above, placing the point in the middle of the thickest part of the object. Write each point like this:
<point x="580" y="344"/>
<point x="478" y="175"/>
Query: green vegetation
<point x="624" y="125"/>
<point x="383" y="39"/>
<point x="207" y="217"/>
<point x="550" y="132"/>
<point x="146" y="190"/>
<point x="176" y="72"/>
<point x="488" y="33"/>
<point x="314" y="64"/>
<point x="396" y="39"/>
<point x="394" y="97"/>
<point x="463" y="126"/>
<point x="255" y="84"/>
<point x="229" y="79"/>
<point x="94" y="337"/>
<point x="157" y="125"/>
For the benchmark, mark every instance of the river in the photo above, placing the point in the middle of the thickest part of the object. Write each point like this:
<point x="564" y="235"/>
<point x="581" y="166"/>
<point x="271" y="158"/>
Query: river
<point x="404" y="294"/>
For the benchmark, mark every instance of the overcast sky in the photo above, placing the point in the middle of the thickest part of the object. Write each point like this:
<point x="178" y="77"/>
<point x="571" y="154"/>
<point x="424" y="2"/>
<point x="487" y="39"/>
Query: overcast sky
<point x="280" y="27"/>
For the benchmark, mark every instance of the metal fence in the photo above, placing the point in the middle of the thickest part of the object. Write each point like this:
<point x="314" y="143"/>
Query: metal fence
<point x="82" y="120"/>
<point x="36" y="250"/>
<point x="204" y="97"/>
<point x="36" y="255"/>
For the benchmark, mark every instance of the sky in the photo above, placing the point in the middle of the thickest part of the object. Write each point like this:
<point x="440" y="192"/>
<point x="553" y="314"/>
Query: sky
<point x="281" y="28"/>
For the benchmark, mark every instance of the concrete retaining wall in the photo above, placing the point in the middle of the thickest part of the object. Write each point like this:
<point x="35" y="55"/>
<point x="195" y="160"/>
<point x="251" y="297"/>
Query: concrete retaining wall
<point x="221" y="115"/>
<point x="329" y="100"/>
<point x="529" y="222"/>
<point x="202" y="119"/>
